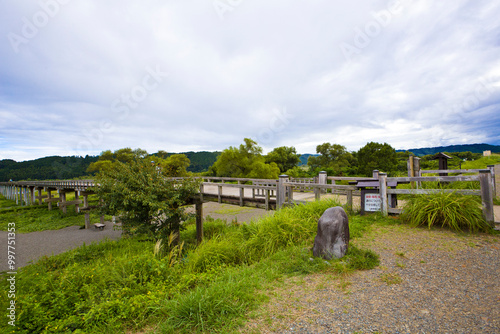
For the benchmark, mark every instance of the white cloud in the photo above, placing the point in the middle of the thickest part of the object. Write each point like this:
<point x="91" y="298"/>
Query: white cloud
<point x="423" y="73"/>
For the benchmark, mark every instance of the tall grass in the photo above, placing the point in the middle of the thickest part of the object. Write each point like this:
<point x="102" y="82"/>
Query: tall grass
<point x="451" y="210"/>
<point x="120" y="286"/>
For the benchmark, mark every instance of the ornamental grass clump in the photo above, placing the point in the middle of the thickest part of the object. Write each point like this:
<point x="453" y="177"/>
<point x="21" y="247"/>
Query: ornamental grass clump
<point x="445" y="209"/>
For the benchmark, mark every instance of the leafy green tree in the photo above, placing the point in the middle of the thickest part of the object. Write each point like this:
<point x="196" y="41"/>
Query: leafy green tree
<point x="285" y="157"/>
<point x="333" y="158"/>
<point x="377" y="156"/>
<point x="147" y="202"/>
<point x="107" y="158"/>
<point x="245" y="161"/>
<point x="175" y="165"/>
<point x="402" y="158"/>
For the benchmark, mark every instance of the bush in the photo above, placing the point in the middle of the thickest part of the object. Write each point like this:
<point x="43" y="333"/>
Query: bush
<point x="455" y="211"/>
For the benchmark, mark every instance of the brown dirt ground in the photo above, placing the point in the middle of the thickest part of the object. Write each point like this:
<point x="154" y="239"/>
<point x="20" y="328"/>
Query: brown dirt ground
<point x="428" y="281"/>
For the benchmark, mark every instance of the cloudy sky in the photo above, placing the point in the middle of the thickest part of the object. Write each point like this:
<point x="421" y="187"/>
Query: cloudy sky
<point x="81" y="76"/>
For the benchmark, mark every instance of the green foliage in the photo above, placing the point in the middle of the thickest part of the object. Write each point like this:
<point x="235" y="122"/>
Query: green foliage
<point x="175" y="165"/>
<point x="199" y="161"/>
<point x="107" y="160"/>
<point x="6" y="203"/>
<point x="252" y="242"/>
<point x="146" y="202"/>
<point x="376" y="156"/>
<point x="481" y="162"/>
<point x="245" y="162"/>
<point x="121" y="286"/>
<point x="455" y="211"/>
<point x="49" y="168"/>
<point x="285" y="157"/>
<point x="332" y="158"/>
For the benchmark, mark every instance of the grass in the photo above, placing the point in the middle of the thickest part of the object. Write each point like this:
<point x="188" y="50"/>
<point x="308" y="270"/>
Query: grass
<point x="227" y="209"/>
<point x="120" y="286"/>
<point x="391" y="278"/>
<point x="38" y="218"/>
<point x="454" y="211"/>
<point x="482" y="162"/>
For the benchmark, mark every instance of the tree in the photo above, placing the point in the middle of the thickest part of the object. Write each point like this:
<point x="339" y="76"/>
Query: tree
<point x="333" y="157"/>
<point x="285" y="157"/>
<point x="175" y="165"/>
<point x="377" y="156"/>
<point x="246" y="162"/>
<point x="147" y="202"/>
<point x="107" y="158"/>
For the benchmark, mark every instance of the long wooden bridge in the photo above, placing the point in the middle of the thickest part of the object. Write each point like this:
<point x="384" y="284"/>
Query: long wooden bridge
<point x="263" y="193"/>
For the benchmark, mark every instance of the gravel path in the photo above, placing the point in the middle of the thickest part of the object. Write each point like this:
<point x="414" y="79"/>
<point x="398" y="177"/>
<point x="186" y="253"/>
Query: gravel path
<point x="31" y="246"/>
<point x="427" y="282"/>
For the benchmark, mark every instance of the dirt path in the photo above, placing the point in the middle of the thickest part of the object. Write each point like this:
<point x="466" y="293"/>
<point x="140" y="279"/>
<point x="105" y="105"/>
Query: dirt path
<point x="427" y="282"/>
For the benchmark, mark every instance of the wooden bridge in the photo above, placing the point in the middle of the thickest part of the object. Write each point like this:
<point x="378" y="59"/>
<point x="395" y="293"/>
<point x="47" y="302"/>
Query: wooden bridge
<point x="262" y="193"/>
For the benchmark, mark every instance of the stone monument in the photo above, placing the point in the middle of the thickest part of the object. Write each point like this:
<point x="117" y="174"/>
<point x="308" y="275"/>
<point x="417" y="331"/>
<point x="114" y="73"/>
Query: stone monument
<point x="332" y="239"/>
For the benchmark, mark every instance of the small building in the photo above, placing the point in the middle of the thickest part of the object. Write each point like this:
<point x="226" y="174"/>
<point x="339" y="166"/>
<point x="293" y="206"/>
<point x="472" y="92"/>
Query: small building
<point x="487" y="153"/>
<point x="443" y="162"/>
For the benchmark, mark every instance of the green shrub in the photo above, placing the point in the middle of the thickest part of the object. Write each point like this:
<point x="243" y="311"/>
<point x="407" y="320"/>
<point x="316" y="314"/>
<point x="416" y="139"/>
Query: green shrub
<point x="455" y="211"/>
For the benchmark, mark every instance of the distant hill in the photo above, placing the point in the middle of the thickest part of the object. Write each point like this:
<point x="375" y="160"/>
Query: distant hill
<point x="60" y="168"/>
<point x="474" y="148"/>
<point x="48" y="168"/>
<point x="304" y="157"/>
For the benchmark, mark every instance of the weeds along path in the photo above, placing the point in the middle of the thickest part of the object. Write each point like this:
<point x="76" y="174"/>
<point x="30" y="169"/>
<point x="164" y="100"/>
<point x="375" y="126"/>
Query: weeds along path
<point x="428" y="281"/>
<point x="34" y="245"/>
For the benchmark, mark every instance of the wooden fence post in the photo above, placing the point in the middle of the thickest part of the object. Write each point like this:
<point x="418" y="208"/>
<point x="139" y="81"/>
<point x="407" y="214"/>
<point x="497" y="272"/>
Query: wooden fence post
<point x="267" y="191"/>
<point x="49" y="198"/>
<point x="87" y="220"/>
<point x="493" y="180"/>
<point x="32" y="195"/>
<point x="242" y="193"/>
<point x="77" y="197"/>
<point x="382" y="177"/>
<point x="202" y="188"/>
<point x="281" y="191"/>
<point x="40" y="198"/>
<point x="199" y="220"/>
<point x="349" y="199"/>
<point x="487" y="196"/>
<point x="322" y="179"/>
<point x="62" y="200"/>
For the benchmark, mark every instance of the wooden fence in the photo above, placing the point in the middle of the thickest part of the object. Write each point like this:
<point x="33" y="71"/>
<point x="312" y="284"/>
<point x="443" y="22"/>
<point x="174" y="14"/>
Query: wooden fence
<point x="272" y="193"/>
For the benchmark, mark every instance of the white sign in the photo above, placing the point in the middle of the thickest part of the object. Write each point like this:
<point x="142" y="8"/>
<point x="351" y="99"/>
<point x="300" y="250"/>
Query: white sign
<point x="372" y="202"/>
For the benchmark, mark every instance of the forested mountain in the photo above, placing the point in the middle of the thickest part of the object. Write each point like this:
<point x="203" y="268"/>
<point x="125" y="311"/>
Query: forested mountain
<point x="474" y="148"/>
<point x="57" y="168"/>
<point x="305" y="157"/>
<point x="48" y="168"/>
